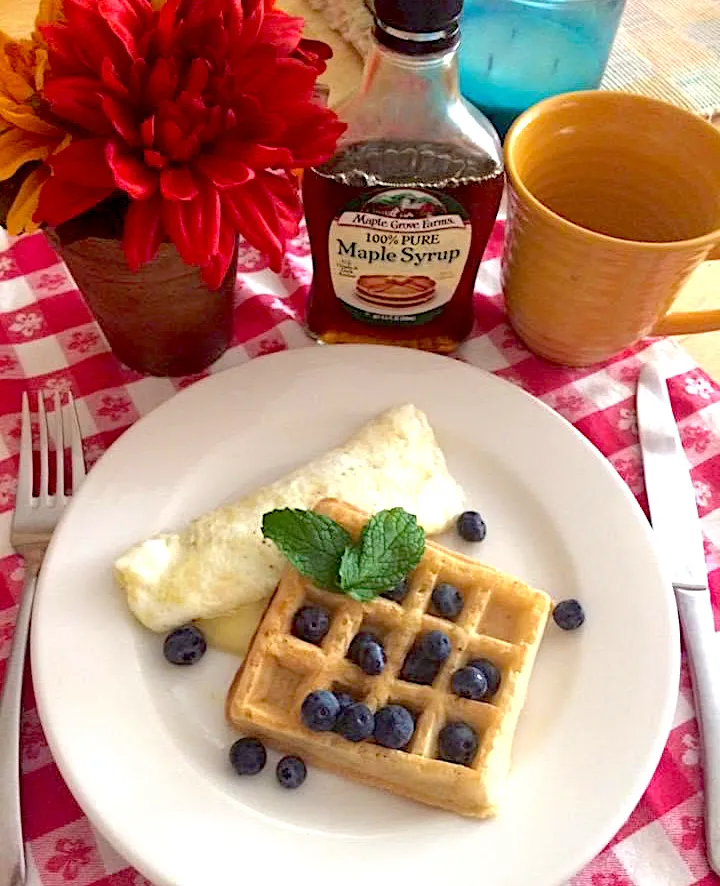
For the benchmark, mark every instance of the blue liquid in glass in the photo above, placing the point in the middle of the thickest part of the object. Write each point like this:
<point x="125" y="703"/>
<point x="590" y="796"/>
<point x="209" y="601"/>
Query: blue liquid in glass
<point x="514" y="53"/>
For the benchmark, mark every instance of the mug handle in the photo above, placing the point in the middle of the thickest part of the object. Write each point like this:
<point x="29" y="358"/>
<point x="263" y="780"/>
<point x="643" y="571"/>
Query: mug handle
<point x="687" y="322"/>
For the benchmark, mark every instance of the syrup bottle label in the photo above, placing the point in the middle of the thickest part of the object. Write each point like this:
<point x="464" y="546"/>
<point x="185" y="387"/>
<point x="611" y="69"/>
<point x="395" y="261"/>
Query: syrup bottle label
<point x="397" y="255"/>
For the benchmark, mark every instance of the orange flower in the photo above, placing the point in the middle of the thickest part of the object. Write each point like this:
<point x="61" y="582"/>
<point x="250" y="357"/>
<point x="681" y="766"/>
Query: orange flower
<point x="26" y="137"/>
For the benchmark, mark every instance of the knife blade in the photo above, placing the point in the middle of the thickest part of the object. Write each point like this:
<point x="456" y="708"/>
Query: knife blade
<point x="678" y="533"/>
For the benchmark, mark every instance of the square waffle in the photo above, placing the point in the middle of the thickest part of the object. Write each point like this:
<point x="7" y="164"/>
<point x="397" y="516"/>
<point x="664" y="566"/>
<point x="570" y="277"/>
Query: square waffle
<point x="503" y="620"/>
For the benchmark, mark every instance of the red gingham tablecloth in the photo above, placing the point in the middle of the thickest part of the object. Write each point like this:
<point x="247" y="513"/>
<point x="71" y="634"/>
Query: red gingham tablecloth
<point x="49" y="342"/>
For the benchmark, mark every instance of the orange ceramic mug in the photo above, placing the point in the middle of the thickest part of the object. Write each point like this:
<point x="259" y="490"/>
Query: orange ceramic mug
<point x="614" y="202"/>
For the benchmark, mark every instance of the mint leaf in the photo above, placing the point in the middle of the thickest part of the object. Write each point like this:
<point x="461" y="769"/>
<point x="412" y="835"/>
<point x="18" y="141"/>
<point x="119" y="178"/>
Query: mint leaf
<point x="350" y="575"/>
<point x="391" y="545"/>
<point x="313" y="543"/>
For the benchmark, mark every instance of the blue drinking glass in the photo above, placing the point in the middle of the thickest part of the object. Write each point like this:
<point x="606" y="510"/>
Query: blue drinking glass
<point x="513" y="53"/>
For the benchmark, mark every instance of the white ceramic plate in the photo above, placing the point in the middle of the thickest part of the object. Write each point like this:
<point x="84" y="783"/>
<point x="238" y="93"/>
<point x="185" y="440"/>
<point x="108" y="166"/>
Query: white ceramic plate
<point x="143" y="744"/>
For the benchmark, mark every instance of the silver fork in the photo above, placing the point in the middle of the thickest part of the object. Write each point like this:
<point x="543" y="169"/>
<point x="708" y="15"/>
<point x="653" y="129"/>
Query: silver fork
<point x="33" y="523"/>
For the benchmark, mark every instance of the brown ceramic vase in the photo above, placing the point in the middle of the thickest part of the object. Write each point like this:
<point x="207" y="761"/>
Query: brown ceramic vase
<point x="161" y="320"/>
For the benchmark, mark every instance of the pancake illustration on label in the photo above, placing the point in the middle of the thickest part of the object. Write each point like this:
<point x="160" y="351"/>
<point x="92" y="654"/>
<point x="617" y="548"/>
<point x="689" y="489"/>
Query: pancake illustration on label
<point x="387" y="290"/>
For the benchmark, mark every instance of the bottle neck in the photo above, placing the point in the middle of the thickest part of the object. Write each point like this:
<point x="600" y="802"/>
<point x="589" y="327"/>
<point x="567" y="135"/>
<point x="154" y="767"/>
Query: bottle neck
<point x="431" y="80"/>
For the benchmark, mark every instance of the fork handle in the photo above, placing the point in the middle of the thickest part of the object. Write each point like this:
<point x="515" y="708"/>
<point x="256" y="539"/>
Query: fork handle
<point x="12" y="849"/>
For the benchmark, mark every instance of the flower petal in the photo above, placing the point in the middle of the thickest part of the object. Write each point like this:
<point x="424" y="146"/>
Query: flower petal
<point x="260" y="214"/>
<point x="163" y="81"/>
<point x="246" y="23"/>
<point x="252" y="68"/>
<point x="126" y="19"/>
<point x="111" y="79"/>
<point x="16" y="69"/>
<point x="147" y="131"/>
<point x="20" y="215"/>
<point x="223" y="171"/>
<point x="314" y="53"/>
<point x="312" y="134"/>
<point x="18" y="148"/>
<point x="212" y="127"/>
<point x="176" y="218"/>
<point x="282" y="189"/>
<point x="129" y="173"/>
<point x="25" y="118"/>
<point x="166" y="26"/>
<point x="83" y="162"/>
<point x="177" y="183"/>
<point x="174" y="143"/>
<point x="215" y="271"/>
<point x="41" y="65"/>
<point x="136" y="78"/>
<point x="63" y="52"/>
<point x="154" y="159"/>
<point x="92" y="37"/>
<point x="122" y="120"/>
<point x="143" y="231"/>
<point x="48" y="11"/>
<point x="197" y="76"/>
<point x="78" y="100"/>
<point x="265" y="157"/>
<point x="62" y="200"/>
<point x="282" y="31"/>
<point x="210" y="220"/>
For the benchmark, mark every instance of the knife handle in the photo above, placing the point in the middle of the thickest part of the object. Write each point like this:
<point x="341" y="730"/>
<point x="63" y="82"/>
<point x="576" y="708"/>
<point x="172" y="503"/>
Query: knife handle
<point x="702" y="643"/>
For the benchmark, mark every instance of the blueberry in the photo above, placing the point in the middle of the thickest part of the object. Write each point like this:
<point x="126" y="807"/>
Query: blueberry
<point x="185" y="645"/>
<point x="366" y="636"/>
<point x="568" y="615"/>
<point x="398" y="593"/>
<point x="394" y="726"/>
<point x="355" y="723"/>
<point x="291" y="772"/>
<point x="447" y="600"/>
<point x="367" y="653"/>
<point x="371" y="659"/>
<point x="491" y="671"/>
<point x="469" y="682"/>
<point x="435" y="646"/>
<point x="311" y="623"/>
<point x="417" y="669"/>
<point x="471" y="526"/>
<point x="320" y="710"/>
<point x="360" y="639"/>
<point x="344" y="699"/>
<point x="457" y="743"/>
<point x="247" y="756"/>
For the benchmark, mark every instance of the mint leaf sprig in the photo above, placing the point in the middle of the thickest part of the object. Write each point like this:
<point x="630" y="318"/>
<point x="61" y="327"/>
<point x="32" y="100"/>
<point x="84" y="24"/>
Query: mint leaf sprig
<point x="390" y="545"/>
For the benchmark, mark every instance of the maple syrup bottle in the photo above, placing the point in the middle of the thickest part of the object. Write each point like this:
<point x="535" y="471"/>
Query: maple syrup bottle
<point x="400" y="216"/>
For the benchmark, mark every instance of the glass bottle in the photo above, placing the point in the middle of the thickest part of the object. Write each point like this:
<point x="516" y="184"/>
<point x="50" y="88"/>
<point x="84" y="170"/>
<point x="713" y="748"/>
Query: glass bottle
<point x="400" y="217"/>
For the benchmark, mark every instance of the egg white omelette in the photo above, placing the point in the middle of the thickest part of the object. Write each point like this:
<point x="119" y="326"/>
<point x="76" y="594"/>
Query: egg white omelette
<point x="220" y="561"/>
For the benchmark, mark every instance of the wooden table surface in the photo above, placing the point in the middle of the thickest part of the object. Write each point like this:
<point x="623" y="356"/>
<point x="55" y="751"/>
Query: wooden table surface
<point x="702" y="291"/>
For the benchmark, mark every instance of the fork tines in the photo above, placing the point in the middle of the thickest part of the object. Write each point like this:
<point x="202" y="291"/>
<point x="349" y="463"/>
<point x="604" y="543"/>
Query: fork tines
<point x="58" y="429"/>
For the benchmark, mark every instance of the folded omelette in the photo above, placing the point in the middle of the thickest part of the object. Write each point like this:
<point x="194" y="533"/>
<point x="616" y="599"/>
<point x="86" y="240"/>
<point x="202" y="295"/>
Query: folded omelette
<point x="220" y="561"/>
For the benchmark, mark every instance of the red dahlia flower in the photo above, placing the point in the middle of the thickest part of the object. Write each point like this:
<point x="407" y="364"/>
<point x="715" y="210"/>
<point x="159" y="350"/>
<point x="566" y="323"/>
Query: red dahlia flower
<point x="198" y="110"/>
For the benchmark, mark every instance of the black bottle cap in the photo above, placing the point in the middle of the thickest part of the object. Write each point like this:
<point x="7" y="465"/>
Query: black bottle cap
<point x="418" y="16"/>
<point x="417" y="27"/>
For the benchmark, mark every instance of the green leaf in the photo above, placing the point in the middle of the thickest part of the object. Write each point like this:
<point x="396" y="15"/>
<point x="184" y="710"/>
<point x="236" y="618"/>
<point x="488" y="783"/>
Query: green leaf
<point x="313" y="543"/>
<point x="391" y="545"/>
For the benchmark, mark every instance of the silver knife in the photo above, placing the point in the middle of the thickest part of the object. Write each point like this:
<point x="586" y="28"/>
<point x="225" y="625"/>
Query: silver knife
<point x="676" y="526"/>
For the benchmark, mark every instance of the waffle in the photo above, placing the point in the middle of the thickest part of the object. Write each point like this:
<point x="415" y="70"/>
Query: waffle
<point x="502" y="620"/>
